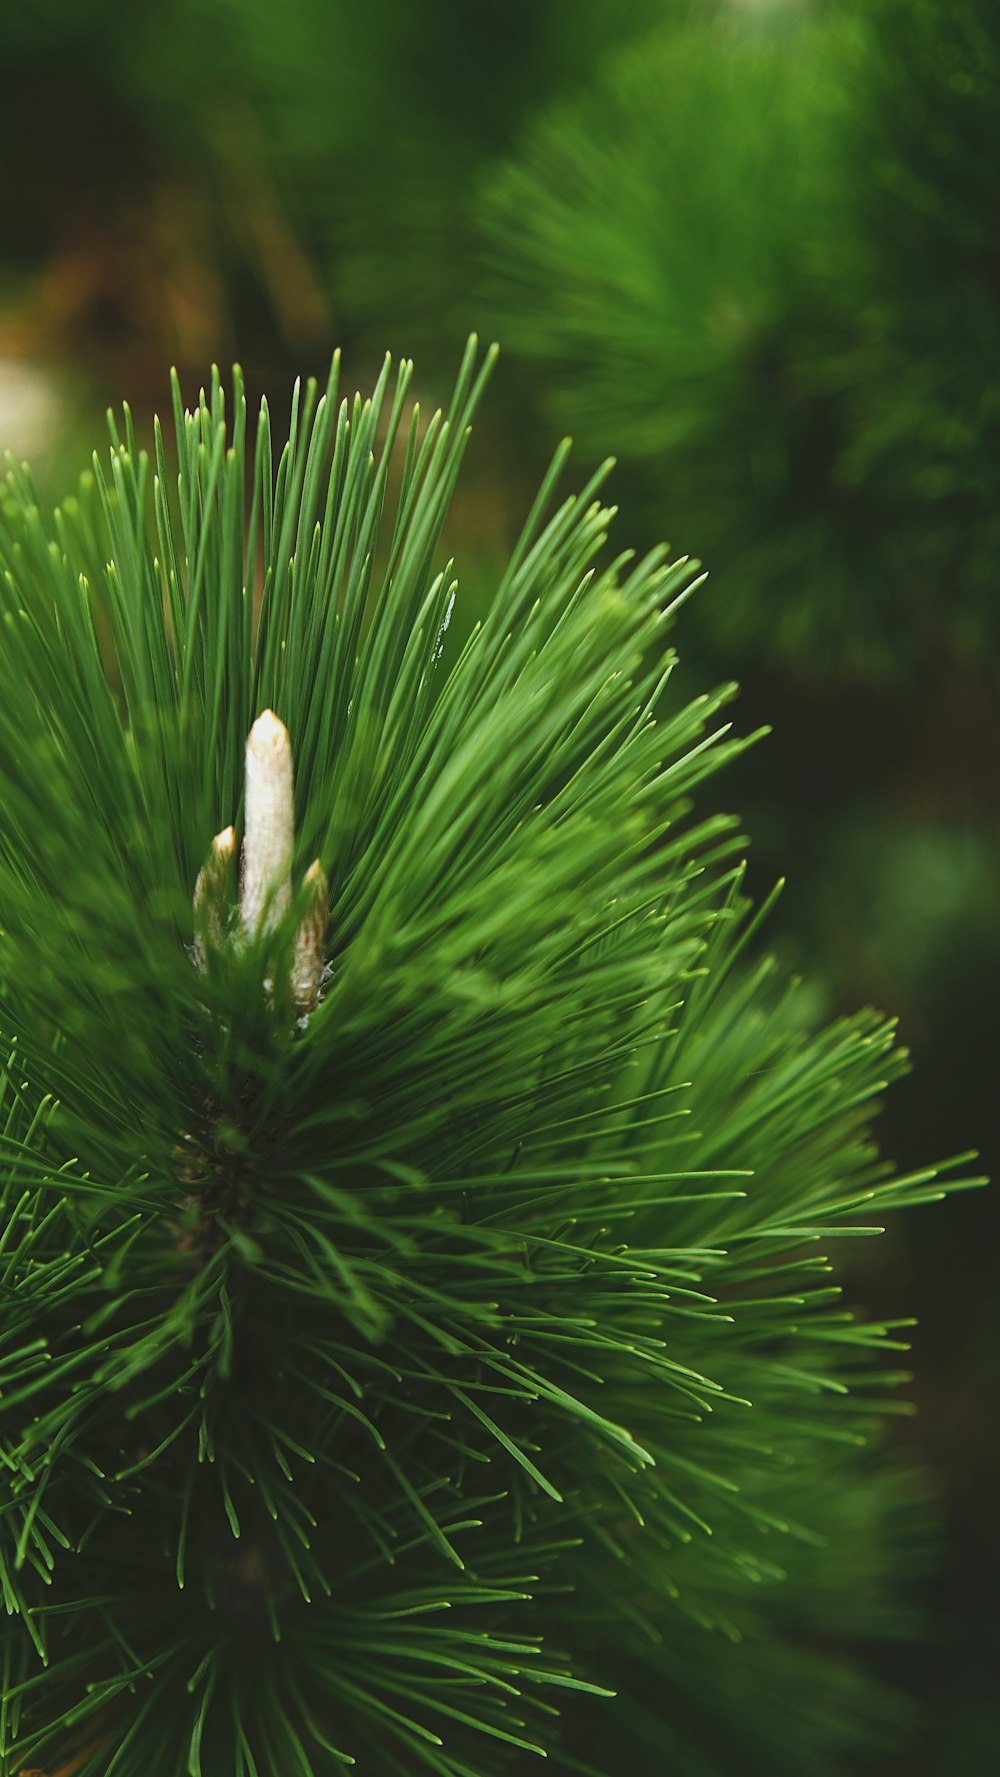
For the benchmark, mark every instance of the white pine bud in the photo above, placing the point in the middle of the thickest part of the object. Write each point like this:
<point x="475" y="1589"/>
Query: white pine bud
<point x="269" y="826"/>
<point x="210" y="896"/>
<point x="310" y="940"/>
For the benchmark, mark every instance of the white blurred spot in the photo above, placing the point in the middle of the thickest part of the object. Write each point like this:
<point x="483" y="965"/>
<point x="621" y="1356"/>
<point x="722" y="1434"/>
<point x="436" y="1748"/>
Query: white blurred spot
<point x="31" y="409"/>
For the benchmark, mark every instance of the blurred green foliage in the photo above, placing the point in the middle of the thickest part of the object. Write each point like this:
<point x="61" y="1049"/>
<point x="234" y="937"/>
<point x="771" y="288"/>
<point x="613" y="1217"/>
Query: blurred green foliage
<point x="922" y="155"/>
<point x="260" y="179"/>
<point x="739" y="254"/>
<point x="659" y="244"/>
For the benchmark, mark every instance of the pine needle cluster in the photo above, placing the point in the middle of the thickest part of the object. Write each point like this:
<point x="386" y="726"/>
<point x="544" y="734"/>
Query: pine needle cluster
<point x="393" y="1368"/>
<point x="756" y="257"/>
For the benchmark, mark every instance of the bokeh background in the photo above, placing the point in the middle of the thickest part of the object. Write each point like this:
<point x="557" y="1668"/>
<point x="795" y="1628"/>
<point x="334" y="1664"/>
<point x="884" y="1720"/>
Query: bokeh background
<point x="752" y="249"/>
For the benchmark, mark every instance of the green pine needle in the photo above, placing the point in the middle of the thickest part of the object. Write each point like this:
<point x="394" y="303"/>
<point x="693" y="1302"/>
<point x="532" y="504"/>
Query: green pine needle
<point x="379" y="1383"/>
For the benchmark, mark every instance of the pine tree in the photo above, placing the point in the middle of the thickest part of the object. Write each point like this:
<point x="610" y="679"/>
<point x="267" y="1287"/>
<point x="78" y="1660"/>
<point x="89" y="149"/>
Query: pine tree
<point x="417" y="1187"/>
<point x="756" y="257"/>
<point x="666" y="250"/>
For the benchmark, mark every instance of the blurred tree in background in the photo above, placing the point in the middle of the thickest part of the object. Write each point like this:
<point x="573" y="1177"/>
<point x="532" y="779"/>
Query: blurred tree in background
<point x="224" y="175"/>
<point x="749" y="245"/>
<point x="741" y="254"/>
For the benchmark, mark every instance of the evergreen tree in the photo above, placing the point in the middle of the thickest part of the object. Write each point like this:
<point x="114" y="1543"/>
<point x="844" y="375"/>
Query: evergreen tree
<point x="417" y="1318"/>
<point x="756" y="257"/>
<point x="660" y="251"/>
